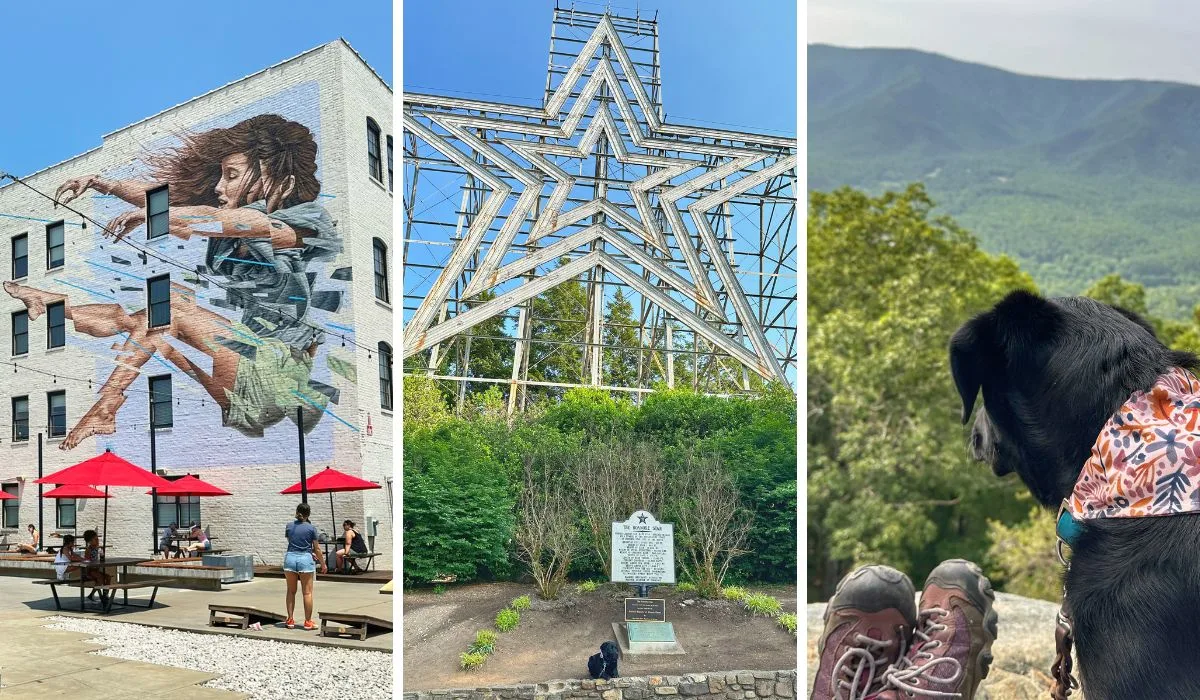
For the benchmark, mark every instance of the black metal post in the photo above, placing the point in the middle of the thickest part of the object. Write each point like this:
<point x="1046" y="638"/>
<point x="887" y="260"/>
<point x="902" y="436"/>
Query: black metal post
<point x="303" y="474"/>
<point x="41" y="529"/>
<point x="153" y="490"/>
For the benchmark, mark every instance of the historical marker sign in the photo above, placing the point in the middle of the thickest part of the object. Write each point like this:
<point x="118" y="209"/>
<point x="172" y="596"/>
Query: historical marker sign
<point x="645" y="610"/>
<point x="643" y="550"/>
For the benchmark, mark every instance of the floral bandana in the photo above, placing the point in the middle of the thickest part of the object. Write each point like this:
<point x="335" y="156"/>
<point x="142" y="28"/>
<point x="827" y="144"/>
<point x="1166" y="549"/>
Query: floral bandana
<point x="1146" y="461"/>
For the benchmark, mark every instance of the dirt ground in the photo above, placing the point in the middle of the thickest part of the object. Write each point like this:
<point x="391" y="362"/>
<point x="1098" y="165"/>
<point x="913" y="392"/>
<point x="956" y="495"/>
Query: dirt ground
<point x="555" y="639"/>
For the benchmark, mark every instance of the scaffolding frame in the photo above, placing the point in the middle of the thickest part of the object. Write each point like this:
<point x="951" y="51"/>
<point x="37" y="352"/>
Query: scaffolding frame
<point x="718" y="296"/>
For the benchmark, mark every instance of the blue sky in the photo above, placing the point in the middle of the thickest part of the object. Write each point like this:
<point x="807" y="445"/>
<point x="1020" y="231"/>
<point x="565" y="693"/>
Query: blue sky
<point x="75" y="71"/>
<point x="728" y="62"/>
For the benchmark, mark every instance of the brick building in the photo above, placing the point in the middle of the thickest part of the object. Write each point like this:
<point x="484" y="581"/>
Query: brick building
<point x="249" y="292"/>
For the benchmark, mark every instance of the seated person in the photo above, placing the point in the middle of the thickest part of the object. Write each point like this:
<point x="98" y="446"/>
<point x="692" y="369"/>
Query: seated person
<point x="166" y="540"/>
<point x="93" y="552"/>
<point x="32" y="546"/>
<point x="66" y="555"/>
<point x="202" y="543"/>
<point x="353" y="543"/>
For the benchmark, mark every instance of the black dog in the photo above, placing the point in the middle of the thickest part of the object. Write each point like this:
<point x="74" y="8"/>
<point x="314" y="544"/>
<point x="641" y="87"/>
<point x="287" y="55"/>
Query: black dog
<point x="1052" y="373"/>
<point x="604" y="664"/>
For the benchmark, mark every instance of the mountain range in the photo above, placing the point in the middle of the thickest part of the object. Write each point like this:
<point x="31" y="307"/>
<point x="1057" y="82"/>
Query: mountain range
<point x="1074" y="178"/>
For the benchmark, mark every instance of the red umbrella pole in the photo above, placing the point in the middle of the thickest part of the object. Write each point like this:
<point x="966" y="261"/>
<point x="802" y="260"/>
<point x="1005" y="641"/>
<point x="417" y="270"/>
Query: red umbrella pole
<point x="104" y="541"/>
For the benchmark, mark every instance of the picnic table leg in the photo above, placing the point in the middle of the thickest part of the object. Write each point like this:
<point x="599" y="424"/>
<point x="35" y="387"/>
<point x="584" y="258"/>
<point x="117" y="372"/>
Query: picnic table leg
<point x="153" y="595"/>
<point x="54" y="592"/>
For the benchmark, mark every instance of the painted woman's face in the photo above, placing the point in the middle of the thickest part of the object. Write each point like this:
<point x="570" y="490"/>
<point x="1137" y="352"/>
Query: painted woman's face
<point x="233" y="189"/>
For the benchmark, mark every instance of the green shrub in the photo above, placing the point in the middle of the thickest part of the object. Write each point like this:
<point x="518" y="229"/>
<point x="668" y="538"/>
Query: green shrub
<point x="685" y="587"/>
<point x="760" y="604"/>
<point x="485" y="642"/>
<point x="458" y="511"/>
<point x="520" y="603"/>
<point x="1023" y="557"/>
<point x="734" y="593"/>
<point x="587" y="587"/>
<point x="507" y="619"/>
<point x="439" y="589"/>
<point x="471" y="661"/>
<point x="787" y="621"/>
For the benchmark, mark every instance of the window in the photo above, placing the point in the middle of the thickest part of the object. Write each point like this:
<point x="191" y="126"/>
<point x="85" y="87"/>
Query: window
<point x="160" y="402"/>
<point x="57" y="402"/>
<point x="158" y="289"/>
<point x="157" y="212"/>
<point x="12" y="507"/>
<point x="64" y="513"/>
<point x="20" y="332"/>
<point x="381" y="280"/>
<point x="20" y="414"/>
<point x="181" y="510"/>
<point x="373" y="150"/>
<point x="389" y="146"/>
<point x="385" y="376"/>
<point x="56" y="324"/>
<point x="20" y="256"/>
<point x="55" y="245"/>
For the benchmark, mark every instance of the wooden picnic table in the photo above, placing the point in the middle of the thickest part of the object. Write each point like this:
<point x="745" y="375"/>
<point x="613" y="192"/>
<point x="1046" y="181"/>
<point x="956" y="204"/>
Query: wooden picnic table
<point x="122" y="563"/>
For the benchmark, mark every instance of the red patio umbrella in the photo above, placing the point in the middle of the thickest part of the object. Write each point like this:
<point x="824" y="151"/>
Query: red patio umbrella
<point x="330" y="480"/>
<point x="75" y="491"/>
<point x="191" y="486"/>
<point x="105" y="469"/>
<point x="5" y="496"/>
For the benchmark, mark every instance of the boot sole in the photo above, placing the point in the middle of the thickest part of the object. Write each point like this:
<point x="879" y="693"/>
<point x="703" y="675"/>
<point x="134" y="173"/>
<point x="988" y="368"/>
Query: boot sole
<point x="969" y="578"/>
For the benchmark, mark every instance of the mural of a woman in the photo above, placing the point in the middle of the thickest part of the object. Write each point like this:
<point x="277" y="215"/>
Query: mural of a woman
<point x="251" y="190"/>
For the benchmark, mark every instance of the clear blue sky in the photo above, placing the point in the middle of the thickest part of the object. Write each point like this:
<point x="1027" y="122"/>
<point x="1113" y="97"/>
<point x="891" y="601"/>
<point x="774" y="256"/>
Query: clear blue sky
<point x="722" y="61"/>
<point x="74" y="71"/>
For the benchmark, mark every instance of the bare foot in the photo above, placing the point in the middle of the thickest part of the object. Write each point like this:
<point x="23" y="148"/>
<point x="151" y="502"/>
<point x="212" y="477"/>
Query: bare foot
<point x="97" y="421"/>
<point x="34" y="299"/>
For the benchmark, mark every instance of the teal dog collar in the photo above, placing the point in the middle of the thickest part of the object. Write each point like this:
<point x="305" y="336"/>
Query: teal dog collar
<point x="1068" y="528"/>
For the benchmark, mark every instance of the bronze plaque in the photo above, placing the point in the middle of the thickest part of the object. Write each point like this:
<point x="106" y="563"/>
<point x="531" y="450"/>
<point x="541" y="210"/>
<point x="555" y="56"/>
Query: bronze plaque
<point x="645" y="610"/>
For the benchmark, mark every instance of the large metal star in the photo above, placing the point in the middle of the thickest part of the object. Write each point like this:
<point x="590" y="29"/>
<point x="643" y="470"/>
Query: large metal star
<point x="601" y="86"/>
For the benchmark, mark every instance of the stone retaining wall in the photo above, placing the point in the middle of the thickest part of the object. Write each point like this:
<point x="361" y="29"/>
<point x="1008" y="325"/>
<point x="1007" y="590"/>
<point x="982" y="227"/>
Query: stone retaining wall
<point x="726" y="685"/>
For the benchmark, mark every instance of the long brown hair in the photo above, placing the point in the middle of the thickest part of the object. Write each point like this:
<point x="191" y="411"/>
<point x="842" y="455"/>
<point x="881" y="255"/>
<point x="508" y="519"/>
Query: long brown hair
<point x="283" y="148"/>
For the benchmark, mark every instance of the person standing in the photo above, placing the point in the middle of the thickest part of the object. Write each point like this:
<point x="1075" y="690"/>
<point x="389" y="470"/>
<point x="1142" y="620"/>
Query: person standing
<point x="300" y="565"/>
<point x="34" y="540"/>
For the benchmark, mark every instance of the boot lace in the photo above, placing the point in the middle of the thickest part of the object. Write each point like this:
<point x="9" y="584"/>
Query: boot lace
<point x="862" y="663"/>
<point x="907" y="674"/>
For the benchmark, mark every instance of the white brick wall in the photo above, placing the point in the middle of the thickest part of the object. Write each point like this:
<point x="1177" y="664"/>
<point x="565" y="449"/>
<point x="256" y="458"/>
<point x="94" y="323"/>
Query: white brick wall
<point x="252" y="520"/>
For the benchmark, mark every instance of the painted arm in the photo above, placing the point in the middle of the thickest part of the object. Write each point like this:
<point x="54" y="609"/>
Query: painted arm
<point x="213" y="222"/>
<point x="132" y="191"/>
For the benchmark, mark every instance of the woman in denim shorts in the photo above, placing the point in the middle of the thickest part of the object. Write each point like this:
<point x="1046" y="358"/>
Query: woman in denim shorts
<point x="300" y="564"/>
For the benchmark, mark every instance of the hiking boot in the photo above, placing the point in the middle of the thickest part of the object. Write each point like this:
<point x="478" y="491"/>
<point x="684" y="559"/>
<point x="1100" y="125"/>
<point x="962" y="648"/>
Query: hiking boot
<point x="868" y="623"/>
<point x="952" y="644"/>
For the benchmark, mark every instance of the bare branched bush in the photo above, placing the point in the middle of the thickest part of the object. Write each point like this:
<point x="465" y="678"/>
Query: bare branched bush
<point x="614" y="480"/>
<point x="711" y="524"/>
<point x="546" y="533"/>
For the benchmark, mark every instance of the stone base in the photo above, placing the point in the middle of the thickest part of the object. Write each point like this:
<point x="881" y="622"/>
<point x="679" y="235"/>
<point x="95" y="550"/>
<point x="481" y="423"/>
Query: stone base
<point x="663" y="644"/>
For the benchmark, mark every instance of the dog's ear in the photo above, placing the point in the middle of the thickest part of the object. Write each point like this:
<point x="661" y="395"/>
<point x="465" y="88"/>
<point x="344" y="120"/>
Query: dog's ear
<point x="985" y="345"/>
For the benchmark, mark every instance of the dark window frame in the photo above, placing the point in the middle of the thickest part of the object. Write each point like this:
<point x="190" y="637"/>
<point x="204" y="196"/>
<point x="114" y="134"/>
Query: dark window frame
<point x="61" y="247"/>
<point x="157" y="402"/>
<point x="14" y="335"/>
<point x="50" y="424"/>
<point x="374" y="152"/>
<point x="390" y="164"/>
<point x="379" y="260"/>
<point x="153" y="217"/>
<point x="18" y="423"/>
<point x="63" y="505"/>
<point x="151" y="312"/>
<point x="177" y="509"/>
<point x="23" y="258"/>
<point x="386" y="385"/>
<point x="11" y="507"/>
<point x="53" y="329"/>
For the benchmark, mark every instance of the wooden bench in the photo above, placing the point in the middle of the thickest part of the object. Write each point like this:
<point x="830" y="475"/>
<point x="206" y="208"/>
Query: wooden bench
<point x="338" y="624"/>
<point x="352" y="559"/>
<point x="124" y="587"/>
<point x="185" y="554"/>
<point x="240" y="616"/>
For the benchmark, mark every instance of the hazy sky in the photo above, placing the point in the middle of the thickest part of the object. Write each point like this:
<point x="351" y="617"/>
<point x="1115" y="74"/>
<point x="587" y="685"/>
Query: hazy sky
<point x="1148" y="39"/>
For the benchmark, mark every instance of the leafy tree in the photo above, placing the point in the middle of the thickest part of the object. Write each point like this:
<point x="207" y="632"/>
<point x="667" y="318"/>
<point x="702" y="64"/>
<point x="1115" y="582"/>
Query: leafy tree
<point x="558" y="332"/>
<point x="1116" y="291"/>
<point x="889" y="479"/>
<point x="620" y="366"/>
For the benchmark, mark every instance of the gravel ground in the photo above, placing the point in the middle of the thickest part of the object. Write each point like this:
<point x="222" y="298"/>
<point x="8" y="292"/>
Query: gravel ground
<point x="263" y="669"/>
